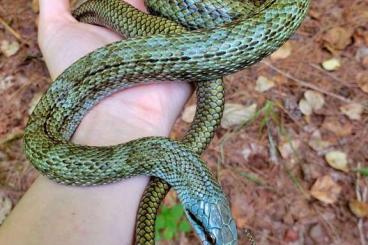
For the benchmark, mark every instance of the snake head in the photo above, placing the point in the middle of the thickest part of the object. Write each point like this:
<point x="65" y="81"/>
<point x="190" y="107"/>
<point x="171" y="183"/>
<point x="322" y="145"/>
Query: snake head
<point x="213" y="223"/>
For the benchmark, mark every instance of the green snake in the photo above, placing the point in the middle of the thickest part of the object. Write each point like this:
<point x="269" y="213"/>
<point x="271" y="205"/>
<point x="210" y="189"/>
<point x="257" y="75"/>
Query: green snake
<point x="197" y="41"/>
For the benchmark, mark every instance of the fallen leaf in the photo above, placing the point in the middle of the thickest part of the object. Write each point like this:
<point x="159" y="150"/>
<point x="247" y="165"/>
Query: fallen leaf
<point x="315" y="99"/>
<point x="359" y="209"/>
<point x="312" y="101"/>
<point x="189" y="113"/>
<point x="353" y="111"/>
<point x="35" y="6"/>
<point x="362" y="79"/>
<point x="288" y="148"/>
<point x="331" y="64"/>
<point x="263" y="84"/>
<point x="246" y="152"/>
<point x="317" y="143"/>
<point x="337" y="160"/>
<point x="5" y="207"/>
<point x="305" y="107"/>
<point x="283" y="52"/>
<point x="326" y="190"/>
<point x="236" y="114"/>
<point x="334" y="125"/>
<point x="6" y="82"/>
<point x="9" y="48"/>
<point x="36" y="98"/>
<point x="337" y="38"/>
<point x="361" y="53"/>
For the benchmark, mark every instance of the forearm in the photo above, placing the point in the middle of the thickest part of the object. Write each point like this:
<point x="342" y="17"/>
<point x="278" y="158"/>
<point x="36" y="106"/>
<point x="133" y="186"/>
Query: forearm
<point x="50" y="213"/>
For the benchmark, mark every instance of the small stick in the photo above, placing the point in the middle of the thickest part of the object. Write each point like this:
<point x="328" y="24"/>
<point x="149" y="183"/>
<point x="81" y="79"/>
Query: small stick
<point x="305" y="84"/>
<point x="11" y="30"/>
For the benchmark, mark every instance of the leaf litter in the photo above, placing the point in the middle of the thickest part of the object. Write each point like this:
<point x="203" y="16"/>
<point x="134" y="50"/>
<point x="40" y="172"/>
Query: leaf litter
<point x="271" y="200"/>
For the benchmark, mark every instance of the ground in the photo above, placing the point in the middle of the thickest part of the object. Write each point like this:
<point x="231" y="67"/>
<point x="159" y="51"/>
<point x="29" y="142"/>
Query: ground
<point x="289" y="169"/>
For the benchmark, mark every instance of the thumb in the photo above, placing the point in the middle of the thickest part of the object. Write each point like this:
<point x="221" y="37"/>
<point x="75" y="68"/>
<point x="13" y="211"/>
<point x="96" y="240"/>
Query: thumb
<point x="54" y="9"/>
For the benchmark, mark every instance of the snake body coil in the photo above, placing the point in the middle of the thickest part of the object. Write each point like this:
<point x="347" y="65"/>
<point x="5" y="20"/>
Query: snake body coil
<point x="236" y="35"/>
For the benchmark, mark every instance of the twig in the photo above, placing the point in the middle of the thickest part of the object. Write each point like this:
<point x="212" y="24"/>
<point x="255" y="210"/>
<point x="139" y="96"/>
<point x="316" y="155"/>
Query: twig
<point x="306" y="84"/>
<point x="329" y="74"/>
<point x="11" y="30"/>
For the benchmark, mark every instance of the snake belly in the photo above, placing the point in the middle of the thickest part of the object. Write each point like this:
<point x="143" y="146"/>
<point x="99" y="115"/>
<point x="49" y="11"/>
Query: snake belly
<point x="204" y="55"/>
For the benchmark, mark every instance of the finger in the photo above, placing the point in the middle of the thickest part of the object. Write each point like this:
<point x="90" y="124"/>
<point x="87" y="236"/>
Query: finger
<point x="54" y="9"/>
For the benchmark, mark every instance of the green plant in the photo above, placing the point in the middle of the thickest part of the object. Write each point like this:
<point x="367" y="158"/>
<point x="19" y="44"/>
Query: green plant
<point x="170" y="222"/>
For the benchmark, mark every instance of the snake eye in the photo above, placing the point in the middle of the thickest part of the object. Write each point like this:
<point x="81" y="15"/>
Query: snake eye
<point x="211" y="238"/>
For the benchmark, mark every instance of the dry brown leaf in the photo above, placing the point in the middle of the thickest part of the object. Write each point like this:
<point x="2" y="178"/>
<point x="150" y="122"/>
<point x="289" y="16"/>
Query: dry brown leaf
<point x="9" y="48"/>
<point x="326" y="190"/>
<point x="236" y="114"/>
<point x="36" y="98"/>
<point x="312" y="101"/>
<point x="188" y="113"/>
<point x="337" y="38"/>
<point x="353" y="111"/>
<point x="337" y="160"/>
<point x="283" y="52"/>
<point x="263" y="84"/>
<point x="305" y="107"/>
<point x="359" y="209"/>
<point x="315" y="99"/>
<point x="5" y="207"/>
<point x="35" y="6"/>
<point x="317" y="143"/>
<point x="289" y="148"/>
<point x="341" y="129"/>
<point x="6" y="82"/>
<point x="362" y="79"/>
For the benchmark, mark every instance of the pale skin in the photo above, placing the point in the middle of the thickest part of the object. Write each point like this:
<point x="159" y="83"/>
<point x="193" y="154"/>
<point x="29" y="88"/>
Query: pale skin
<point x="51" y="213"/>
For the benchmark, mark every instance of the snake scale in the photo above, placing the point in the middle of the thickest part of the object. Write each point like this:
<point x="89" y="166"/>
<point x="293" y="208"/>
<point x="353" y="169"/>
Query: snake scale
<point x="197" y="41"/>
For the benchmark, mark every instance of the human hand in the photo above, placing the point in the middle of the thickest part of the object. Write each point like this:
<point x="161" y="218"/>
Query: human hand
<point x="132" y="113"/>
<point x="50" y="213"/>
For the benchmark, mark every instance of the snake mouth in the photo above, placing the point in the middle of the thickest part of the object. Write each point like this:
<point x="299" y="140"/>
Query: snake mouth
<point x="209" y="237"/>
